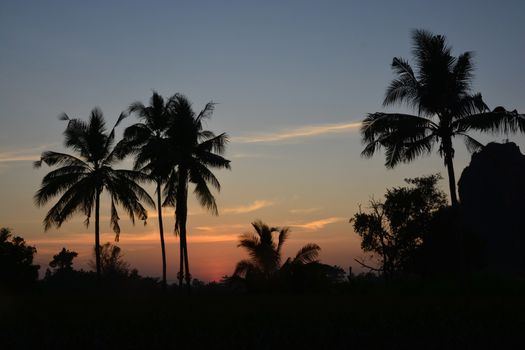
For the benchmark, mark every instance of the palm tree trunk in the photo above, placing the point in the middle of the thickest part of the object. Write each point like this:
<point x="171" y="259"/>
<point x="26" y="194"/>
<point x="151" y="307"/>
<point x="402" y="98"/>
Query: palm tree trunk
<point x="448" y="150"/>
<point x="161" y="230"/>
<point x="187" y="274"/>
<point x="97" y="233"/>
<point x="180" y="275"/>
<point x="180" y="221"/>
<point x="455" y="206"/>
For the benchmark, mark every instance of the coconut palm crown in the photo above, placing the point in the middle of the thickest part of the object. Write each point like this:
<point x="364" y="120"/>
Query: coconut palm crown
<point x="265" y="252"/>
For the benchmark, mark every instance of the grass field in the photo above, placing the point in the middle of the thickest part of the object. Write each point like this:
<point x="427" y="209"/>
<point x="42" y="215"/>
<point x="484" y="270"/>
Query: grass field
<point x="393" y="318"/>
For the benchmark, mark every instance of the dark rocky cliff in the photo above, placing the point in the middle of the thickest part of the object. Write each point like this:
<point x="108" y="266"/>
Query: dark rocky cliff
<point x="492" y="195"/>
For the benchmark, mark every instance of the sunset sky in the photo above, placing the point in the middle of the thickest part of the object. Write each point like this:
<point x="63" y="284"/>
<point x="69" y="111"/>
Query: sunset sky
<point x="292" y="80"/>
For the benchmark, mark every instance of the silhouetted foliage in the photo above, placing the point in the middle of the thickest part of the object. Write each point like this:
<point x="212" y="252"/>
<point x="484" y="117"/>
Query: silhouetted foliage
<point x="17" y="270"/>
<point x="264" y="271"/>
<point x="439" y="90"/>
<point x="63" y="261"/>
<point x="394" y="229"/>
<point x="79" y="181"/>
<point x="448" y="249"/>
<point x="112" y="262"/>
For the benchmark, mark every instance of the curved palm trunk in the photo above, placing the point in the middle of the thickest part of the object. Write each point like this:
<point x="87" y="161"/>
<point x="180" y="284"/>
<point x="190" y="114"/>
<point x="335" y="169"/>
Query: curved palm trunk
<point x="161" y="230"/>
<point x="97" y="232"/>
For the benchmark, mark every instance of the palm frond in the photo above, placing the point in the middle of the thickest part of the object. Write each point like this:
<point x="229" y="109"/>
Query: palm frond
<point x="307" y="254"/>
<point x="55" y="159"/>
<point x="471" y="143"/>
<point x="54" y="185"/>
<point x="204" y="195"/>
<point x="114" y="220"/>
<point x="499" y="120"/>
<point x="284" y="233"/>
<point x="405" y="88"/>
<point x="244" y="268"/>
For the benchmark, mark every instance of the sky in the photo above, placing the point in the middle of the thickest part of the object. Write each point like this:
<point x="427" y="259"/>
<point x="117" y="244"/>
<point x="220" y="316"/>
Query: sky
<point x="292" y="80"/>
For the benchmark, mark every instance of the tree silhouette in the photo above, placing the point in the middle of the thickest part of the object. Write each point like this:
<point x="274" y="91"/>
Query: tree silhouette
<point x="194" y="151"/>
<point x="148" y="142"/>
<point x="79" y="181"/>
<point x="63" y="261"/>
<point x="112" y="263"/>
<point x="265" y="252"/>
<point x="439" y="91"/>
<point x="394" y="229"/>
<point x="16" y="261"/>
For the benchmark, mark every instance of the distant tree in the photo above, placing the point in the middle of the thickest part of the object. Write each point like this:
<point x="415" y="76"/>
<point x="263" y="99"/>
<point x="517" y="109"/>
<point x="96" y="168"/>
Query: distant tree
<point x="112" y="262"/>
<point x="63" y="261"/>
<point x="265" y="253"/>
<point x="394" y="229"/>
<point x="79" y="181"/>
<point x="16" y="261"/>
<point x="439" y="90"/>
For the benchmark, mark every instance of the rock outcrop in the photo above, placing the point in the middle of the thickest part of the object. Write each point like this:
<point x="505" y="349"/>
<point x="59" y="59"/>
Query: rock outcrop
<point x="492" y="195"/>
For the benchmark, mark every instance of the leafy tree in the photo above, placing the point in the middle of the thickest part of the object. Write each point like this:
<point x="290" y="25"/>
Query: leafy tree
<point x="439" y="90"/>
<point x="265" y="253"/>
<point x="63" y="261"/>
<point x="16" y="261"/>
<point x="112" y="262"/>
<point x="80" y="180"/>
<point x="148" y="142"/>
<point x="194" y="151"/>
<point x="394" y="229"/>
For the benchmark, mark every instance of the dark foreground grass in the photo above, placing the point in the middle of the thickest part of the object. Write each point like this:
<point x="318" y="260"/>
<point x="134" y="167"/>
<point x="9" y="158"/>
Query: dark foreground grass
<point x="393" y="318"/>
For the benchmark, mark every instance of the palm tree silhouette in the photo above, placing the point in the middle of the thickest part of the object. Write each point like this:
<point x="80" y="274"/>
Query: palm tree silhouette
<point x="79" y="181"/>
<point x="147" y="141"/>
<point x="265" y="253"/>
<point x="194" y="151"/>
<point x="440" y="92"/>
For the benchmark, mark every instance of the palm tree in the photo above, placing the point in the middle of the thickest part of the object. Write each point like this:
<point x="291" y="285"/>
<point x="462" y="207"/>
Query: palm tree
<point x="80" y="180"/>
<point x="265" y="253"/>
<point x="194" y="151"/>
<point x="439" y="91"/>
<point x="148" y="142"/>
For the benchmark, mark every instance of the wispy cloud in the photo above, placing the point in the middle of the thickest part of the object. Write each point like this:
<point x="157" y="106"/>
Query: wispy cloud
<point x="301" y="132"/>
<point x="23" y="155"/>
<point x="319" y="224"/>
<point x="304" y="210"/>
<point x="254" y="156"/>
<point x="221" y="228"/>
<point x="256" y="205"/>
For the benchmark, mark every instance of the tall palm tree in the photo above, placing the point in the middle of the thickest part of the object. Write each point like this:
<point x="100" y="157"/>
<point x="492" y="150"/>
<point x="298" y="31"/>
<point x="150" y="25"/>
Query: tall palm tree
<point x="194" y="151"/>
<point x="148" y="142"/>
<point x="439" y="91"/>
<point x="265" y="253"/>
<point x="80" y="180"/>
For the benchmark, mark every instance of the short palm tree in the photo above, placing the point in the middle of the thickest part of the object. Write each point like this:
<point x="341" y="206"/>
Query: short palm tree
<point x="148" y="143"/>
<point x="439" y="91"/>
<point x="265" y="252"/>
<point x="194" y="152"/>
<point x="80" y="180"/>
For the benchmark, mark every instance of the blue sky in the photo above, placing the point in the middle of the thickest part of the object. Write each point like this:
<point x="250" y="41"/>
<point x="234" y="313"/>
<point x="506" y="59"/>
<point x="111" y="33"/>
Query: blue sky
<point x="286" y="72"/>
